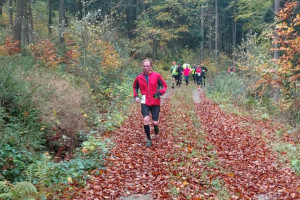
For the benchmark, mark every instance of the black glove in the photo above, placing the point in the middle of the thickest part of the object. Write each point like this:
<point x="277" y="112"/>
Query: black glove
<point x="156" y="95"/>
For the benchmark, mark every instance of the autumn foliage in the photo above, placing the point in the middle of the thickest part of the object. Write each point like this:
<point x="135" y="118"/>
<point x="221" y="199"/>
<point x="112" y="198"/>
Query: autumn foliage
<point x="46" y="52"/>
<point x="10" y="47"/>
<point x="288" y="38"/>
<point x="106" y="51"/>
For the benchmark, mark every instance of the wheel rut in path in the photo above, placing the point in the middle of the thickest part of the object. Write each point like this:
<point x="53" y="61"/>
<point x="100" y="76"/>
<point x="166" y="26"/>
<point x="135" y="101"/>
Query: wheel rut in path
<point x="252" y="171"/>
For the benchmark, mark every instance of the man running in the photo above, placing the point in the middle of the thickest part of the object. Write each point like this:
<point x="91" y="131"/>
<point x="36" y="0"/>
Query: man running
<point x="198" y="76"/>
<point x="152" y="86"/>
<point x="186" y="65"/>
<point x="186" y="73"/>
<point x="179" y="75"/>
<point x="174" y="73"/>
<point x="193" y="72"/>
<point x="203" y="74"/>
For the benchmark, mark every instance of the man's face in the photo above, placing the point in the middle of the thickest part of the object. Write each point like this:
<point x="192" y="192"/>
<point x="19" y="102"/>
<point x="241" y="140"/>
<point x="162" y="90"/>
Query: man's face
<point x="174" y="63"/>
<point x="147" y="67"/>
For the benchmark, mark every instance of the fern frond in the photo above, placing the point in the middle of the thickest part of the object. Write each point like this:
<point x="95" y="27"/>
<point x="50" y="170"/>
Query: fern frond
<point x="4" y="186"/>
<point x="25" y="188"/>
<point x="30" y="171"/>
<point x="6" y="196"/>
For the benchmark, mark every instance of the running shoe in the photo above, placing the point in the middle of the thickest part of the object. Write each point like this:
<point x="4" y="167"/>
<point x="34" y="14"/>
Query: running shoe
<point x="149" y="143"/>
<point x="156" y="130"/>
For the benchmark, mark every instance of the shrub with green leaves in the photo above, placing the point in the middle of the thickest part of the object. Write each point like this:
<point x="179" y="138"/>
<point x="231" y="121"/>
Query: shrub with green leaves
<point x="20" y="127"/>
<point x="226" y="88"/>
<point x="20" y="191"/>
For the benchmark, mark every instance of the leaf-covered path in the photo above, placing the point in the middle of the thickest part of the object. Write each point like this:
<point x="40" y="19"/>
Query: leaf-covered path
<point x="253" y="171"/>
<point x="181" y="162"/>
<point x="133" y="168"/>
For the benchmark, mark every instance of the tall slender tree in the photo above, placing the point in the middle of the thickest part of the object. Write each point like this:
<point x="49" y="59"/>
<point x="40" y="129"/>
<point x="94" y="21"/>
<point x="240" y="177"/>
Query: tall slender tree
<point x="202" y="34"/>
<point x="234" y="23"/>
<point x="50" y="13"/>
<point x="23" y="29"/>
<point x="62" y="21"/>
<point x="216" y="31"/>
<point x="10" y="13"/>
<point x="277" y="4"/>
<point x="1" y="5"/>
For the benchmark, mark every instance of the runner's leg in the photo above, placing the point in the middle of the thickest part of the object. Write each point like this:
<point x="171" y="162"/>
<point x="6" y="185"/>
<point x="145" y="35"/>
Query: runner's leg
<point x="155" y="115"/>
<point x="146" y="118"/>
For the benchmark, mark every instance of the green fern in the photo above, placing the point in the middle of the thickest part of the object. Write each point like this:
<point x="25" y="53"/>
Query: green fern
<point x="5" y="196"/>
<point x="22" y="190"/>
<point x="4" y="186"/>
<point x="30" y="172"/>
<point x="25" y="188"/>
<point x="42" y="170"/>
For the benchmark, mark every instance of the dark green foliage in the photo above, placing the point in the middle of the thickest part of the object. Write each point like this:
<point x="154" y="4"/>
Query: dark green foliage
<point x="20" y="127"/>
<point x="13" y="162"/>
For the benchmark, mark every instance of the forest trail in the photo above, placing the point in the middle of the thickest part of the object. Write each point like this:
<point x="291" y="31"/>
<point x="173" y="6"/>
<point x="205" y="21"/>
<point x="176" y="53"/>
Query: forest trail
<point x="252" y="170"/>
<point x="132" y="168"/>
<point x="248" y="169"/>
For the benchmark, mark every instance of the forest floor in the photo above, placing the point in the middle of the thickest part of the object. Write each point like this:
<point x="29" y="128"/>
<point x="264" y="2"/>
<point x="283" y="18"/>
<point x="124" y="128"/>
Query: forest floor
<point x="201" y="152"/>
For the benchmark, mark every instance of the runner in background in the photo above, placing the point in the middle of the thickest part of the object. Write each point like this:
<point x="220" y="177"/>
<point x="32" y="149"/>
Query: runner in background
<point x="179" y="76"/>
<point x="186" y="65"/>
<point x="231" y="71"/>
<point x="186" y="73"/>
<point x="198" y="76"/>
<point x="193" y="72"/>
<point x="174" y="73"/>
<point x="203" y="74"/>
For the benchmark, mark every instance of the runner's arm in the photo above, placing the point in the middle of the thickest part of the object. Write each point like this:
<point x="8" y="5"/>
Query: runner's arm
<point x="136" y="87"/>
<point x="162" y="83"/>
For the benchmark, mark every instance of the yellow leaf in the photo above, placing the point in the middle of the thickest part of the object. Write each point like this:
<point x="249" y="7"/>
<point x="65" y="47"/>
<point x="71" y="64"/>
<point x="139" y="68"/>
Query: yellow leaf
<point x="185" y="183"/>
<point x="70" y="180"/>
<point x="85" y="115"/>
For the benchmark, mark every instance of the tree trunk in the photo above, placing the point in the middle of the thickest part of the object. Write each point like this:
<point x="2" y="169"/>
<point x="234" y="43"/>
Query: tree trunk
<point x="276" y="90"/>
<point x="202" y="34"/>
<point x="216" y="31"/>
<point x="154" y="49"/>
<point x="234" y="28"/>
<point x="61" y="26"/>
<point x="19" y="18"/>
<point x="23" y="29"/>
<point x="1" y="5"/>
<point x="50" y="24"/>
<point x="10" y="17"/>
<point x="275" y="45"/>
<point x="30" y="22"/>
<point x="80" y="10"/>
<point x="233" y="35"/>
<point x="210" y="44"/>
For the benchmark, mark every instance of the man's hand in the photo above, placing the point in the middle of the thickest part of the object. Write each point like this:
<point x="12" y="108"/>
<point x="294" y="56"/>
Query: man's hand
<point x="137" y="99"/>
<point x="156" y="95"/>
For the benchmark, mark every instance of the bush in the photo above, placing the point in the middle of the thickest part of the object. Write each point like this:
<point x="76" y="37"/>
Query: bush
<point x="62" y="106"/>
<point x="234" y="88"/>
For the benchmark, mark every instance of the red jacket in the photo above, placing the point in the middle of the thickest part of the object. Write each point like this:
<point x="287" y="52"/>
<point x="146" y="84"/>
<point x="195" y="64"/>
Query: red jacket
<point x="155" y="84"/>
<point x="186" y="71"/>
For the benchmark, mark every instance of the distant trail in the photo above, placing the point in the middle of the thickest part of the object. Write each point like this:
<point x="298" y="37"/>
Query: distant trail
<point x="252" y="170"/>
<point x="196" y="96"/>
